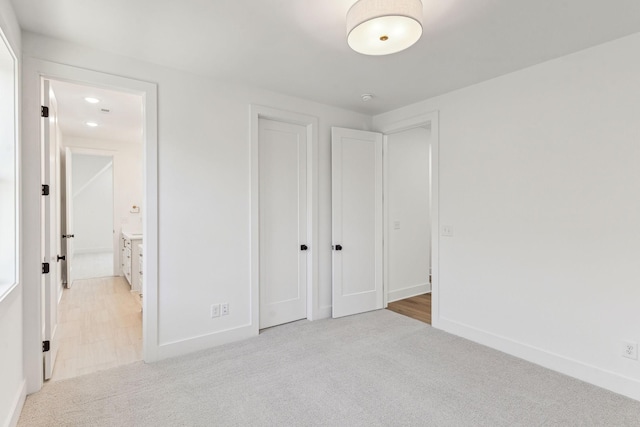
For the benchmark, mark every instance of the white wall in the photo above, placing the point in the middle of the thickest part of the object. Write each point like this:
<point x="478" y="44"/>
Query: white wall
<point x="409" y="225"/>
<point x="92" y="203"/>
<point x="204" y="191"/>
<point x="127" y="184"/>
<point x="540" y="177"/>
<point x="12" y="386"/>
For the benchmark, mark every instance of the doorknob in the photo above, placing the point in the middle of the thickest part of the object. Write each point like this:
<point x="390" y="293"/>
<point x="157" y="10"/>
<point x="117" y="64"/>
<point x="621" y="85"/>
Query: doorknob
<point x="68" y="236"/>
<point x="338" y="247"/>
<point x="63" y="258"/>
<point x="303" y="247"/>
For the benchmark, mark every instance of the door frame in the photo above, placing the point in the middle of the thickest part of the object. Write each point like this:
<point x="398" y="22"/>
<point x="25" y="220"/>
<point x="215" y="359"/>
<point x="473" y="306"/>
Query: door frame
<point x="112" y="154"/>
<point x="257" y="112"/>
<point x="33" y="71"/>
<point x="430" y="120"/>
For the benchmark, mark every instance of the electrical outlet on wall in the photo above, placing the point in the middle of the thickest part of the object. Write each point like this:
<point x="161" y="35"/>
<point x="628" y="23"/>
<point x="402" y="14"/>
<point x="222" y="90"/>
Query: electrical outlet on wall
<point x="215" y="310"/>
<point x="630" y="350"/>
<point x="447" y="231"/>
<point x="225" y="308"/>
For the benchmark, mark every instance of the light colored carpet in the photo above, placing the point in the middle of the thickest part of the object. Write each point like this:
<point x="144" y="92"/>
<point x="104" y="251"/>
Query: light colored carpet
<point x="374" y="369"/>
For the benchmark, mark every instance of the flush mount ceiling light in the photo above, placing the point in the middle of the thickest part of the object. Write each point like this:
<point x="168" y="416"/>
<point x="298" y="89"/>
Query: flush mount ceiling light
<point x="381" y="27"/>
<point x="91" y="100"/>
<point x="91" y="124"/>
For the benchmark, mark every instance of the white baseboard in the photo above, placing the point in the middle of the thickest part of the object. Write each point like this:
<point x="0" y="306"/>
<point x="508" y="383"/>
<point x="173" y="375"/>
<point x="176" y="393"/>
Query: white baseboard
<point x="203" y="342"/>
<point x="408" y="292"/>
<point x="18" y="403"/>
<point x="323" y="313"/>
<point x="609" y="380"/>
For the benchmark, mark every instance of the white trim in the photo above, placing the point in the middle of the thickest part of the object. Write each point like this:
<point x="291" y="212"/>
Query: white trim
<point x="206" y="341"/>
<point x="18" y="404"/>
<point x="7" y="288"/>
<point x="408" y="292"/>
<point x="33" y="70"/>
<point x="430" y="119"/>
<point x="609" y="380"/>
<point x="257" y="112"/>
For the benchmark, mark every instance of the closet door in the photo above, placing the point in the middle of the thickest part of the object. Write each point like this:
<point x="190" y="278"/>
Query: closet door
<point x="283" y="222"/>
<point x="356" y="164"/>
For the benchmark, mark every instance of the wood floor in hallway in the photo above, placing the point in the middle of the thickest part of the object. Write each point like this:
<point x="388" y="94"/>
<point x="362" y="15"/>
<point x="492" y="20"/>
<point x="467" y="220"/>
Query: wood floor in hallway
<point x="418" y="307"/>
<point x="100" y="327"/>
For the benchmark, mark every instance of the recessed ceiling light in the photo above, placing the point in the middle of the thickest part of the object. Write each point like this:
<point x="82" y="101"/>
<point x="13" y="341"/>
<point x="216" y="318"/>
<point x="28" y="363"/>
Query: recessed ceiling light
<point x="91" y="124"/>
<point x="91" y="100"/>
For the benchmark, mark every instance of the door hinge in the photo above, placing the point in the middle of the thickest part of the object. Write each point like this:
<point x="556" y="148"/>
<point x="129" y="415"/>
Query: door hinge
<point x="45" y="189"/>
<point x="45" y="268"/>
<point x="44" y="111"/>
<point x="46" y="346"/>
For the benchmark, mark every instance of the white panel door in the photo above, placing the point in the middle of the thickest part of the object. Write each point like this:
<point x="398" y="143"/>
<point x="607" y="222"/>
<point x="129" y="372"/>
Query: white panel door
<point x="69" y="233"/>
<point x="356" y="166"/>
<point x="49" y="239"/>
<point x="283" y="222"/>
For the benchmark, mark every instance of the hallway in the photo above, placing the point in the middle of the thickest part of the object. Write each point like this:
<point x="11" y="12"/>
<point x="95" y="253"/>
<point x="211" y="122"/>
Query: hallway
<point x="100" y="327"/>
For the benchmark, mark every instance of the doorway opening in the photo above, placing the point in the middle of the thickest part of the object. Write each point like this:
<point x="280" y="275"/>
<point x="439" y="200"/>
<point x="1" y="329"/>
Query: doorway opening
<point x="392" y="267"/>
<point x="94" y="139"/>
<point x="408" y="196"/>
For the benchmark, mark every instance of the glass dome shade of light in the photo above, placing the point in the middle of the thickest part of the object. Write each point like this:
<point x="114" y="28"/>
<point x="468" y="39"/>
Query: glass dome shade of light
<point x="382" y="27"/>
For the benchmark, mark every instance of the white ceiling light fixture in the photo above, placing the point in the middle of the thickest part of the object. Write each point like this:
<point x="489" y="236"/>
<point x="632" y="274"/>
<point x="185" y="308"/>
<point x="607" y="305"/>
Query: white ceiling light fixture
<point x="92" y="100"/>
<point x="382" y="27"/>
<point x="91" y="124"/>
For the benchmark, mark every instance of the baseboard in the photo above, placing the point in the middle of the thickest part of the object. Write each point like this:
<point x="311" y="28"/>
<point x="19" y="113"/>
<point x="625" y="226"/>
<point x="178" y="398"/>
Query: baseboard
<point x="323" y="313"/>
<point x="18" y="403"/>
<point x="609" y="380"/>
<point x="203" y="342"/>
<point x="408" y="292"/>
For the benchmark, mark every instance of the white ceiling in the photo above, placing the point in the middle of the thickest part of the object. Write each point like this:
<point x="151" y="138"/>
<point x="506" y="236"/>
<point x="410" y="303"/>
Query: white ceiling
<point x="123" y="122"/>
<point x="298" y="47"/>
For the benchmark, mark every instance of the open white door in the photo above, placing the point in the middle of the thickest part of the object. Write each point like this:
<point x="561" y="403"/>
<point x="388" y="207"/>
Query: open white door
<point x="49" y="240"/>
<point x="68" y="229"/>
<point x="357" y="228"/>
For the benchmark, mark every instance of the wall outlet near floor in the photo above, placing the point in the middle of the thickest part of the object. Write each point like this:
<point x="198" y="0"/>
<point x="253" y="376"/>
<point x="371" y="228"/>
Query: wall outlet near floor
<point x="447" y="230"/>
<point x="630" y="350"/>
<point x="215" y="310"/>
<point x="225" y="308"/>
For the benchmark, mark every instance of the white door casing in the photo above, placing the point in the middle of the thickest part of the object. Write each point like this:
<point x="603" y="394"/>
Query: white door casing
<point x="49" y="241"/>
<point x="69" y="232"/>
<point x="283" y="222"/>
<point x="430" y="120"/>
<point x="33" y="70"/>
<point x="357" y="228"/>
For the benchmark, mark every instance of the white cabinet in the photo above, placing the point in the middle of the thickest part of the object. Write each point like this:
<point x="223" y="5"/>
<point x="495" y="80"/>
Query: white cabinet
<point x="130" y="256"/>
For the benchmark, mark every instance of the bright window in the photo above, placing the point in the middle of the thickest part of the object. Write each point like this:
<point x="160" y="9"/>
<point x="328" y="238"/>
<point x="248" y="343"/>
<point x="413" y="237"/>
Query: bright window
<point x="8" y="181"/>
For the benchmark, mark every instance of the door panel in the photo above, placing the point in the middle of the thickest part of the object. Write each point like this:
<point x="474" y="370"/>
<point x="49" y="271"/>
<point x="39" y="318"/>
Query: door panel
<point x="356" y="221"/>
<point x="49" y="242"/>
<point x="283" y="222"/>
